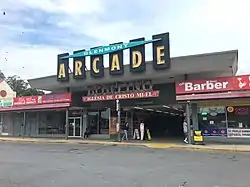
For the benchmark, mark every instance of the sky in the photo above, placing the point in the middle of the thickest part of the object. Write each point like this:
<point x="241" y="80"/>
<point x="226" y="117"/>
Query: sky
<point x="34" y="32"/>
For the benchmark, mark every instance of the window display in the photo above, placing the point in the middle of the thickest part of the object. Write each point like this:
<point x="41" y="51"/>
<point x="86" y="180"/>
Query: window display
<point x="98" y="121"/>
<point x="212" y="121"/>
<point x="51" y="122"/>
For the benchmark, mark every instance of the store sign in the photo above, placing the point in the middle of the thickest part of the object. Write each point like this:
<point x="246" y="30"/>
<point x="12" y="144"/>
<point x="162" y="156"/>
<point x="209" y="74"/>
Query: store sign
<point x="57" y="98"/>
<point x="214" y="132"/>
<point x="121" y="96"/>
<point x="42" y="99"/>
<point x="6" y="102"/>
<point x="25" y="100"/>
<point x="122" y="87"/>
<point x="161" y="58"/>
<point x="238" y="133"/>
<point x="235" y="83"/>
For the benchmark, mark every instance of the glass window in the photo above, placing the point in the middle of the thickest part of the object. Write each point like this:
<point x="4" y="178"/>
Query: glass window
<point x="238" y="116"/>
<point x="98" y="121"/>
<point x="52" y="122"/>
<point x="104" y="121"/>
<point x="212" y="117"/>
<point x="93" y="120"/>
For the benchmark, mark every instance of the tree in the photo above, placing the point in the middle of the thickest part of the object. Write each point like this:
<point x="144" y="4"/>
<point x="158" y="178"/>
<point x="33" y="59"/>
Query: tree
<point x="2" y="76"/>
<point x="21" y="87"/>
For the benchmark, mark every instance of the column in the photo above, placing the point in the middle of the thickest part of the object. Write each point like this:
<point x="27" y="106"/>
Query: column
<point x="194" y="108"/>
<point x="188" y="122"/>
<point x="67" y="124"/>
<point x="24" y="124"/>
<point x="84" y="121"/>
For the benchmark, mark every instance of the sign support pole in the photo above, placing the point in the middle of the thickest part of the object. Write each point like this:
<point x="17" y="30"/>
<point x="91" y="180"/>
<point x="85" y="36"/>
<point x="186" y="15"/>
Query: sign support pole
<point x="118" y="120"/>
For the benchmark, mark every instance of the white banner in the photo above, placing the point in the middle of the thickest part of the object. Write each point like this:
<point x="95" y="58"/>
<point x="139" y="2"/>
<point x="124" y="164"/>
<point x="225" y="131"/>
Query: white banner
<point x="238" y="133"/>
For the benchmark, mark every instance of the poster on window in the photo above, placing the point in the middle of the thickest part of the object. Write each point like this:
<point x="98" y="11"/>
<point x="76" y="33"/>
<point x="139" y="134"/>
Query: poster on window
<point x="238" y="133"/>
<point x="112" y="126"/>
<point x="214" y="132"/>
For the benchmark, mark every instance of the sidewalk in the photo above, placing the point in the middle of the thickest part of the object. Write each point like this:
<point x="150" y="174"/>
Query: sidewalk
<point x="209" y="147"/>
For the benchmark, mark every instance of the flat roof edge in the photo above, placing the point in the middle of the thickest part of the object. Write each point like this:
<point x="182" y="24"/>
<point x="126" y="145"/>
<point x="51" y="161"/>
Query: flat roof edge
<point x="172" y="58"/>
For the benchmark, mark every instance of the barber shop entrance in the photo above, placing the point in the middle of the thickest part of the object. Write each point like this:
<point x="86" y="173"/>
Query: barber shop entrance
<point x="75" y="126"/>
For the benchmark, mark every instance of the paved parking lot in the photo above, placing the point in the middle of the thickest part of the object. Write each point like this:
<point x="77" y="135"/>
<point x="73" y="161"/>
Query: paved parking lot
<point x="54" y="165"/>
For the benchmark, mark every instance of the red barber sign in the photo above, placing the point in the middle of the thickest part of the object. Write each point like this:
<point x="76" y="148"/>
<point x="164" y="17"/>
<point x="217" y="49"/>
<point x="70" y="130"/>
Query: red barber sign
<point x="214" y="85"/>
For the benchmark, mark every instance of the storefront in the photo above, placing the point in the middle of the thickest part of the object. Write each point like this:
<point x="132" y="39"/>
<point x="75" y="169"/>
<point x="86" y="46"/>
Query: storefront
<point x="220" y="106"/>
<point x="141" y="87"/>
<point x="35" y="116"/>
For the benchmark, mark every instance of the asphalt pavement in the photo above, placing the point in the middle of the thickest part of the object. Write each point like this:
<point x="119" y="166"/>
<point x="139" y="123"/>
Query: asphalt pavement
<point x="64" y="165"/>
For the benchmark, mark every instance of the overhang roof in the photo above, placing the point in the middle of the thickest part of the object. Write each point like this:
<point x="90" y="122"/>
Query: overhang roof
<point x="201" y="66"/>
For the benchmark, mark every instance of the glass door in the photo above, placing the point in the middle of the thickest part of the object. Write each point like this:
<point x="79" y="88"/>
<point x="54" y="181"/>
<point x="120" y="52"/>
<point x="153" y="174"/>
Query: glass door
<point x="78" y="127"/>
<point x="75" y="126"/>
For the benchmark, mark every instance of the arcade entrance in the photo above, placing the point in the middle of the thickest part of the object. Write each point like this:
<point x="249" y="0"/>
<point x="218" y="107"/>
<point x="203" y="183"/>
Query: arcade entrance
<point x="162" y="121"/>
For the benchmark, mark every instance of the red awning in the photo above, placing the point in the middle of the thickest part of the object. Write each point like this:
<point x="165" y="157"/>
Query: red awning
<point x="35" y="107"/>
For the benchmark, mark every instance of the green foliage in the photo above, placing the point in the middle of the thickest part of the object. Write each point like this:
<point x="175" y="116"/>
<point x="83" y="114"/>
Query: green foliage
<point x="20" y="86"/>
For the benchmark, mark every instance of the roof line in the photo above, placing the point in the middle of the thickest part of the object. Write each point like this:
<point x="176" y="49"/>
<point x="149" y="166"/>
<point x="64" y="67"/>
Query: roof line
<point x="172" y="58"/>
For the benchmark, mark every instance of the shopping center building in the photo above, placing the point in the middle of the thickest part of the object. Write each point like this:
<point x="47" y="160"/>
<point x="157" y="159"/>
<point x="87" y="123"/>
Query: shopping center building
<point x="158" y="92"/>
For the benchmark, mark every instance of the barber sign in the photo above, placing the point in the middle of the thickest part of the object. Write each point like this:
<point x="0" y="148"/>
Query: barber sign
<point x="213" y="85"/>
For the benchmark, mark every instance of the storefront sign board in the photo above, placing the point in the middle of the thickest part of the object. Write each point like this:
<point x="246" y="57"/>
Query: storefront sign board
<point x="25" y="100"/>
<point x="6" y="102"/>
<point x="42" y="99"/>
<point x="137" y="58"/>
<point x="57" y="98"/>
<point x="121" y="96"/>
<point x="121" y="87"/>
<point x="234" y="83"/>
<point x="238" y="133"/>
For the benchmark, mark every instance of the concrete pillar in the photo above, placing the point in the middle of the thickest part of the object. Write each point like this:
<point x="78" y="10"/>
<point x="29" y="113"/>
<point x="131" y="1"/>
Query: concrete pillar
<point x="67" y="124"/>
<point x="188" y="122"/>
<point x="84" y="121"/>
<point x="194" y="109"/>
<point x="24" y="124"/>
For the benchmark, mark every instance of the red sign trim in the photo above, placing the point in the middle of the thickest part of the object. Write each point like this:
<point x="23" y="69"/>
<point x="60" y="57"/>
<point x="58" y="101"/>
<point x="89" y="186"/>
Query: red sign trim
<point x="225" y="95"/>
<point x="121" y="96"/>
<point x="35" y="107"/>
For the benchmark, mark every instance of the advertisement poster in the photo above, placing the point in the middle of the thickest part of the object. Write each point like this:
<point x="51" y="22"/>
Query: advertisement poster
<point x="112" y="126"/>
<point x="214" y="132"/>
<point x="238" y="133"/>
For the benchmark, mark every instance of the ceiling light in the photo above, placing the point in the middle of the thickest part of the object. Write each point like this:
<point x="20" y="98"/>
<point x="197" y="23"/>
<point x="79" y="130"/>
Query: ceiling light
<point x="166" y="112"/>
<point x="149" y="109"/>
<point x="158" y="111"/>
<point x="138" y="108"/>
<point x="165" y="106"/>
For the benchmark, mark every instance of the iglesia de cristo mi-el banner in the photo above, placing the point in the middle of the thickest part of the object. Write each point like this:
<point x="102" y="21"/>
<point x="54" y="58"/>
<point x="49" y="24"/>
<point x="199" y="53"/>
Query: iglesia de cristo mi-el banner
<point x="137" y="62"/>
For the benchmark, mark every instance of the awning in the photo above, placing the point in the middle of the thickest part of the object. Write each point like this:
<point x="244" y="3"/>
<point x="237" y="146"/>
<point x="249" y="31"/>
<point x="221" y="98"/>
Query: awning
<point x="35" y="107"/>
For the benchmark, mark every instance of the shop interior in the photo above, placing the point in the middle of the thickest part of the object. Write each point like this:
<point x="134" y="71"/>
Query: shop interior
<point x="163" y="121"/>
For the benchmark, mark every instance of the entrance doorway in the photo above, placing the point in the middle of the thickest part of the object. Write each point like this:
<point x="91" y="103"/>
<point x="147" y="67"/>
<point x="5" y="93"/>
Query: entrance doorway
<point x="163" y="121"/>
<point x="75" y="126"/>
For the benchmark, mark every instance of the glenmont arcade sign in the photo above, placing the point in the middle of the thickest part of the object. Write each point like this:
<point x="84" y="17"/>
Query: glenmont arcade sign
<point x="137" y="62"/>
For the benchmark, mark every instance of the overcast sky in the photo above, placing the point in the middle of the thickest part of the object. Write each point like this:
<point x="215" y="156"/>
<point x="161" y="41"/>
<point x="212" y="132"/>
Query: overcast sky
<point x="33" y="32"/>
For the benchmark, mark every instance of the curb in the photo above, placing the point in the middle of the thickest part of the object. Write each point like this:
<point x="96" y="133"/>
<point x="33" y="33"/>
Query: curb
<point x="148" y="145"/>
